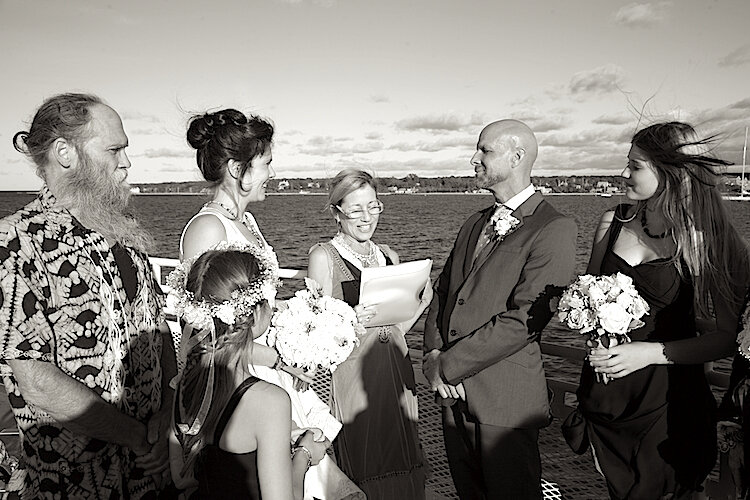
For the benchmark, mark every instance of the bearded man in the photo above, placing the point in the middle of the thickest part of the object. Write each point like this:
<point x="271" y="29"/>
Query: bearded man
<point x="85" y="352"/>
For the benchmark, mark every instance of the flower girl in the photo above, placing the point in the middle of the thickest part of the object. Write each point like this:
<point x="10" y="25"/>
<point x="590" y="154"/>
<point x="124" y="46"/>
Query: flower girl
<point x="233" y="427"/>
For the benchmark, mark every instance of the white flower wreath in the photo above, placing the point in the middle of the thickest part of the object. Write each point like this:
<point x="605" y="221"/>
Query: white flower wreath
<point x="200" y="313"/>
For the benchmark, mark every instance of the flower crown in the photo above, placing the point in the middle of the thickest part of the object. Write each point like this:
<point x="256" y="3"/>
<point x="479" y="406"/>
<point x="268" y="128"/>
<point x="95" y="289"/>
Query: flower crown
<point x="200" y="313"/>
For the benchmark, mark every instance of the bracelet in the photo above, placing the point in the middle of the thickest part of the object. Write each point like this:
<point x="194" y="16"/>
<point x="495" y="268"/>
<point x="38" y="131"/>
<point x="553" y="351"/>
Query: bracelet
<point x="277" y="364"/>
<point x="307" y="452"/>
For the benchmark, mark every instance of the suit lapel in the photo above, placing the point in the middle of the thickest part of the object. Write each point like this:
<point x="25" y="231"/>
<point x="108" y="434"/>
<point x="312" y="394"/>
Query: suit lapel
<point x="526" y="209"/>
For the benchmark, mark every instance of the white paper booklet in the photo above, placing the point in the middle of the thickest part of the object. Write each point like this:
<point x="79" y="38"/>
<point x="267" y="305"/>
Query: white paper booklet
<point x="395" y="290"/>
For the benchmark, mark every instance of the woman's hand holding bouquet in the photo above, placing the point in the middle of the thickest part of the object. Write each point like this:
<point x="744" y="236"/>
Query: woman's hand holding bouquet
<point x="605" y="308"/>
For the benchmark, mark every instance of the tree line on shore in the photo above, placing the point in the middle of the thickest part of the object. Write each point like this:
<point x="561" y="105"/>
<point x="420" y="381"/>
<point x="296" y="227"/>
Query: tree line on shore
<point x="413" y="183"/>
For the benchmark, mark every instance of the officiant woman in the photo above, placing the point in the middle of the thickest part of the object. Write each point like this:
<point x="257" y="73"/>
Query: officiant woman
<point x="373" y="391"/>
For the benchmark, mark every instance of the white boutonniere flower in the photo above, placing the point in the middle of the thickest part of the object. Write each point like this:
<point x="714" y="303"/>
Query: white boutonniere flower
<point x="503" y="223"/>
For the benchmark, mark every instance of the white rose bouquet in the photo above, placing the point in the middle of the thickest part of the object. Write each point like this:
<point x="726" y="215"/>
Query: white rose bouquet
<point x="604" y="307"/>
<point x="314" y="330"/>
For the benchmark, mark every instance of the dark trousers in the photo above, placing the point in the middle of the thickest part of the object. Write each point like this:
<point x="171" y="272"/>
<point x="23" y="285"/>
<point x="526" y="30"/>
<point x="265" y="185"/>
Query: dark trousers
<point x="488" y="462"/>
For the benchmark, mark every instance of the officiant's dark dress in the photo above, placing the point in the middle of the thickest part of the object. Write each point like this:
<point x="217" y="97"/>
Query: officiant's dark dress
<point x="653" y="432"/>
<point x="373" y="393"/>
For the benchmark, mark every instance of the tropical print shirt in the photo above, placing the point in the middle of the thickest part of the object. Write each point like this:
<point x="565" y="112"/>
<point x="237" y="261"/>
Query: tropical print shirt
<point x="94" y="312"/>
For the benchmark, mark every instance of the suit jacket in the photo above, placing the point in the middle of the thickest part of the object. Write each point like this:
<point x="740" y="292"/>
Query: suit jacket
<point x="487" y="315"/>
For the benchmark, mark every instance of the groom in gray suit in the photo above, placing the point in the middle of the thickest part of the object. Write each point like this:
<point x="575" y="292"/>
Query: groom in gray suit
<point x="491" y="302"/>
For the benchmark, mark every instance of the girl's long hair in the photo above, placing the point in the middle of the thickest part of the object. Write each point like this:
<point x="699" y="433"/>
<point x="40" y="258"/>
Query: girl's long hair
<point x="213" y="277"/>
<point x="709" y="248"/>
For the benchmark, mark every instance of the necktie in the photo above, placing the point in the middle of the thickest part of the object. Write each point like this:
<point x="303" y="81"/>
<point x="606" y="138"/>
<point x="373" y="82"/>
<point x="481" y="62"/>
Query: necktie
<point x="488" y="232"/>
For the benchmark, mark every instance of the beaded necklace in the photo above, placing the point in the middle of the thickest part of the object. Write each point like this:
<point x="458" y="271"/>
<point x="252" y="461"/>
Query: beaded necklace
<point x="644" y="225"/>
<point x="243" y="221"/>
<point x="368" y="260"/>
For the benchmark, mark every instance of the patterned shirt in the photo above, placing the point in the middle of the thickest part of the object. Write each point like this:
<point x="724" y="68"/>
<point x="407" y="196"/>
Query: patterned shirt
<point x="93" y="311"/>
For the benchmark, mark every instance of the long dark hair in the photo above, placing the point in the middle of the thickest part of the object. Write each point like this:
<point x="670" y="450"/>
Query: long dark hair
<point x="227" y="135"/>
<point x="213" y="277"/>
<point x="708" y="245"/>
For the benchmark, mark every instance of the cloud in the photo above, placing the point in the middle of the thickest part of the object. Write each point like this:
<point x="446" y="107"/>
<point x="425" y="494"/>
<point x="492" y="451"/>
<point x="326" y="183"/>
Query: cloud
<point x="737" y="57"/>
<point x="601" y="80"/>
<point x="446" y="122"/>
<point x="589" y="139"/>
<point x="439" y="144"/>
<point x="743" y="104"/>
<point x="539" y="123"/>
<point x="329" y="146"/>
<point x="140" y="117"/>
<point x="166" y="153"/>
<point x="614" y="119"/>
<point x="642" y="15"/>
<point x="380" y="98"/>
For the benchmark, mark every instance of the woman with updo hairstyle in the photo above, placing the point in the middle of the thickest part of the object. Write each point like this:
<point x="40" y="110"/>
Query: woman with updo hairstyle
<point x="233" y="152"/>
<point x="233" y="427"/>
<point x="652" y="425"/>
<point x="373" y="392"/>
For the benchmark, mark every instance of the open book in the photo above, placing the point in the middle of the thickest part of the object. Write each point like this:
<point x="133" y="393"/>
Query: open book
<point x="394" y="289"/>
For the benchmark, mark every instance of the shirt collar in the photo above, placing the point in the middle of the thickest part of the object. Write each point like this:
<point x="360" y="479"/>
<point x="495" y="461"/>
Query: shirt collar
<point x="46" y="198"/>
<point x="56" y="212"/>
<point x="517" y="200"/>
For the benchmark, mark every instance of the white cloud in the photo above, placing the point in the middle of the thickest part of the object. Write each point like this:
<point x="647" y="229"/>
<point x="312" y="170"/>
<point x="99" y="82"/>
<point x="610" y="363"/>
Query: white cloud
<point x="166" y="153"/>
<point x="615" y="119"/>
<point x="601" y="80"/>
<point x="737" y="57"/>
<point x="379" y="98"/>
<point x="638" y="15"/>
<point x="445" y="122"/>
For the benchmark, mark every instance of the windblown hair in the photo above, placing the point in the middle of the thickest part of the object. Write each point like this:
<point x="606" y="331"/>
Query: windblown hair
<point x="213" y="277"/>
<point x="708" y="246"/>
<point x="63" y="116"/>
<point x="227" y="135"/>
<point x="346" y="181"/>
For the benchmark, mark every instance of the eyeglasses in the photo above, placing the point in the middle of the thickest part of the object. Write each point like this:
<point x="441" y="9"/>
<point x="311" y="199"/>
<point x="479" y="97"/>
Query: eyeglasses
<point x="373" y="208"/>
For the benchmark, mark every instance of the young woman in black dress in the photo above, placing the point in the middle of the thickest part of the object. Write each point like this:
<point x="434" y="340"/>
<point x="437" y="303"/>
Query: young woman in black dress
<point x="652" y="428"/>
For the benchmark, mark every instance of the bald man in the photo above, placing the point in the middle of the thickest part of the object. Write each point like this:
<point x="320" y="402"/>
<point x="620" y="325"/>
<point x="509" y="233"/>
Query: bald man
<point x="491" y="303"/>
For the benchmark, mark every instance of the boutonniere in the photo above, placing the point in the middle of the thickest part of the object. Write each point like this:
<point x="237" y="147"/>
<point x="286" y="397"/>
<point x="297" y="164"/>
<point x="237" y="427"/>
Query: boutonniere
<point x="503" y="223"/>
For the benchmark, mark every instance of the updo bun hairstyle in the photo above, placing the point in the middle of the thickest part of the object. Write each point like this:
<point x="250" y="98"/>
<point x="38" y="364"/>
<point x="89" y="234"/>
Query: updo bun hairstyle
<point x="227" y="135"/>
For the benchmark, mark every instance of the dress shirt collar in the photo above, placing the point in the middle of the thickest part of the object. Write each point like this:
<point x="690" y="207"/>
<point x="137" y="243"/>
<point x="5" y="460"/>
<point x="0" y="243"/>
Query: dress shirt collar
<point x="517" y="200"/>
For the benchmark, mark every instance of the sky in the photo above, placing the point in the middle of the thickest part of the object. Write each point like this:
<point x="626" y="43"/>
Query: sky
<point x="390" y="86"/>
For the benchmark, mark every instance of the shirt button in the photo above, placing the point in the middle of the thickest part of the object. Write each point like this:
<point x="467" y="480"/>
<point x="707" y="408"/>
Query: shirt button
<point x="460" y="302"/>
<point x="453" y="333"/>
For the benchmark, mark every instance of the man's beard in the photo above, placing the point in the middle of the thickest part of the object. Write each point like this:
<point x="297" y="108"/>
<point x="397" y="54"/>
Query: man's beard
<point x="486" y="181"/>
<point x="100" y="202"/>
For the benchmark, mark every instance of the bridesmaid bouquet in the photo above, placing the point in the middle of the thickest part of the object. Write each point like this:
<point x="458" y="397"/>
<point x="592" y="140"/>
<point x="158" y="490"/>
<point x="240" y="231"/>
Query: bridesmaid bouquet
<point x="314" y="330"/>
<point x="604" y="307"/>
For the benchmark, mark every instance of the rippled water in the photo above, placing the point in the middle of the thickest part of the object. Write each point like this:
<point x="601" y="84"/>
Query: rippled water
<point x="416" y="226"/>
